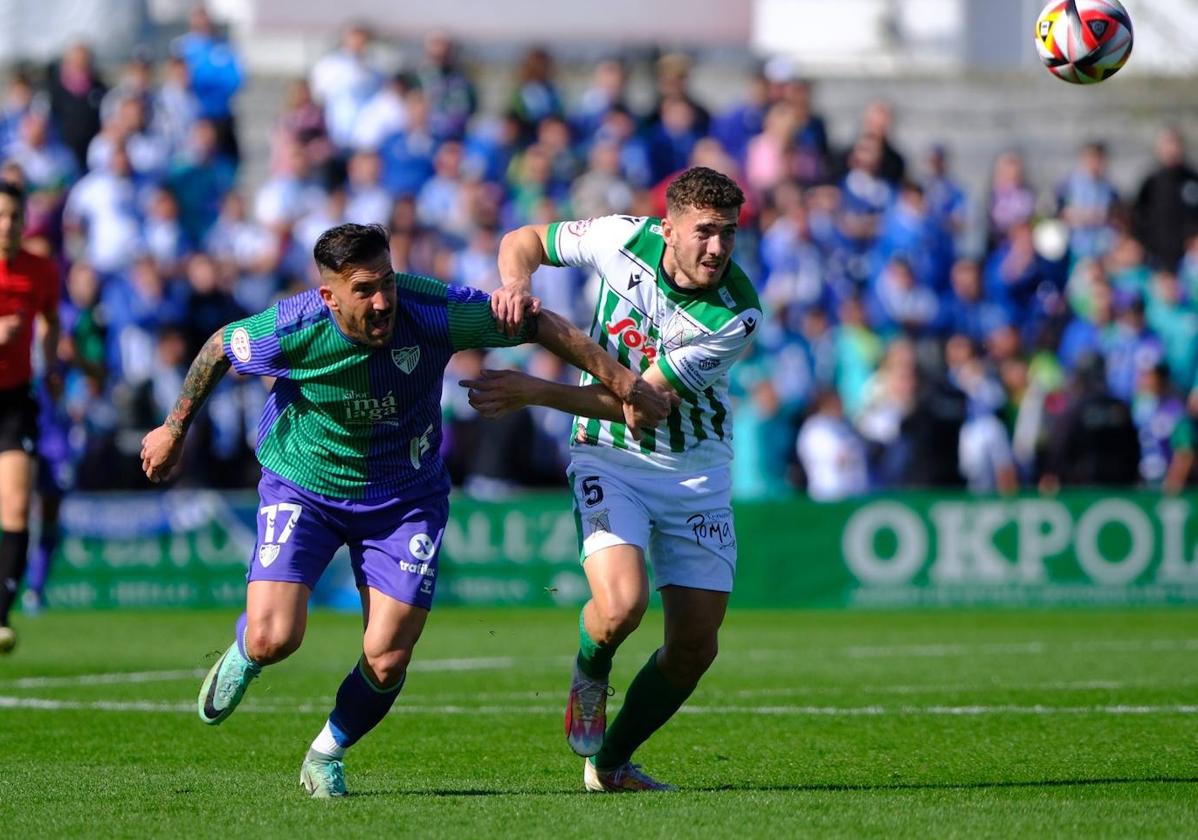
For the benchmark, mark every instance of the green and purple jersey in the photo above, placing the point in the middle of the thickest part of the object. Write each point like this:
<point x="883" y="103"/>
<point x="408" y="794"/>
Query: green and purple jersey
<point x="353" y="422"/>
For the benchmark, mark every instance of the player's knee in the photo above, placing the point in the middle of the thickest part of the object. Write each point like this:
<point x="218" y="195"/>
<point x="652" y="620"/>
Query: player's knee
<point x="387" y="667"/>
<point x="267" y="645"/>
<point x="684" y="662"/>
<point x="16" y="515"/>
<point x="618" y="620"/>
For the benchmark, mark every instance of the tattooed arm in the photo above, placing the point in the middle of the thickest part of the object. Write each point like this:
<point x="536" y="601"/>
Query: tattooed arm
<point x="161" y="448"/>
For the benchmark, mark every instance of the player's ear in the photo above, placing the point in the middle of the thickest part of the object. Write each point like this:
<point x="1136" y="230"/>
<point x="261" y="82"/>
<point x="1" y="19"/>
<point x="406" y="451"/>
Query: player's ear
<point x="326" y="294"/>
<point x="667" y="227"/>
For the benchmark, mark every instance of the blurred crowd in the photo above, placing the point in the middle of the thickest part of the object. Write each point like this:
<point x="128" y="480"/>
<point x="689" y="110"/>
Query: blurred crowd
<point x="1034" y="336"/>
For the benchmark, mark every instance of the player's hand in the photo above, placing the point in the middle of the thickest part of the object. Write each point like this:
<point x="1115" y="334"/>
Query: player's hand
<point x="496" y="392"/>
<point x="511" y="303"/>
<point x="650" y="404"/>
<point x="160" y="451"/>
<point x="10" y="325"/>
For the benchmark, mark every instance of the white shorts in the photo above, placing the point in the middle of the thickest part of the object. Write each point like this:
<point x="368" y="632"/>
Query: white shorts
<point x="682" y="521"/>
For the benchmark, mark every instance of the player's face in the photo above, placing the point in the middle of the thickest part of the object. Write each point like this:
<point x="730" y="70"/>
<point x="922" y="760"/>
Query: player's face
<point x="699" y="243"/>
<point x="12" y="222"/>
<point x="362" y="299"/>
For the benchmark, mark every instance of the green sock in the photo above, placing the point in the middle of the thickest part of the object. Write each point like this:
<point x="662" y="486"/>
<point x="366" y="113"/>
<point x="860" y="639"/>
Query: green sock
<point x="651" y="701"/>
<point x="594" y="659"/>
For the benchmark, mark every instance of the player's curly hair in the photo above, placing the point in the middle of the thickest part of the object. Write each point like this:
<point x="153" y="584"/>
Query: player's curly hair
<point x="704" y="188"/>
<point x="350" y="245"/>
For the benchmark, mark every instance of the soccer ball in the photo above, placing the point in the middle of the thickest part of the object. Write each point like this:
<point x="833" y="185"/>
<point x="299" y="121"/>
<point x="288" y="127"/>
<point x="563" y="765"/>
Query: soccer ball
<point x="1084" y="41"/>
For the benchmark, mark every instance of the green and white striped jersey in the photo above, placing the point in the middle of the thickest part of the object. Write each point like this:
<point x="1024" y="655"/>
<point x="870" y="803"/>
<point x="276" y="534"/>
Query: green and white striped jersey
<point x="643" y="319"/>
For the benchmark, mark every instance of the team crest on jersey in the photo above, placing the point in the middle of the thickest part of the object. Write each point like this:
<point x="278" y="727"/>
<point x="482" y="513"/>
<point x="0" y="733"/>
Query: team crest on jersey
<point x="679" y="332"/>
<point x="406" y="358"/>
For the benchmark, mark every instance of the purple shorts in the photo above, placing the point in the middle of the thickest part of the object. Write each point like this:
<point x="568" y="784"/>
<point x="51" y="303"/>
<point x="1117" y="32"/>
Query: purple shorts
<point x="393" y="543"/>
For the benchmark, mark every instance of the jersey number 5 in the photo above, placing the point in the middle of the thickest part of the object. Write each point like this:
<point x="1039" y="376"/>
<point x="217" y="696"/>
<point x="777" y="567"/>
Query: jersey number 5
<point x="593" y="492"/>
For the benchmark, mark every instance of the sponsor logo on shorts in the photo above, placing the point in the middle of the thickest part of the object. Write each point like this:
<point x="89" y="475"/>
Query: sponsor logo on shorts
<point x="416" y="568"/>
<point x="239" y="343"/>
<point x="406" y="358"/>
<point x="713" y="529"/>
<point x="267" y="554"/>
<point x="426" y="586"/>
<point x="600" y="522"/>
<point x="422" y="547"/>
<point x="708" y="363"/>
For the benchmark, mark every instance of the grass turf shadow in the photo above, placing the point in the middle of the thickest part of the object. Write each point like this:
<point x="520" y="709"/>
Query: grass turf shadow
<point x="830" y="787"/>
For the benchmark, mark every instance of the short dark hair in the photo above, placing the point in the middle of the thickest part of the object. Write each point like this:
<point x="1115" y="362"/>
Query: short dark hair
<point x="14" y="192"/>
<point x="703" y="188"/>
<point x="350" y="244"/>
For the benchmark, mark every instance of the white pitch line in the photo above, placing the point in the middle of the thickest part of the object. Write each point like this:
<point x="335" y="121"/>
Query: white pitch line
<point x="498" y="663"/>
<point x="1004" y="709"/>
<point x="826" y="690"/>
<point x="92" y="705"/>
<point x="1018" y="648"/>
<point x="1076" y="685"/>
<point x="492" y="663"/>
<point x="41" y="704"/>
<point x="107" y="679"/>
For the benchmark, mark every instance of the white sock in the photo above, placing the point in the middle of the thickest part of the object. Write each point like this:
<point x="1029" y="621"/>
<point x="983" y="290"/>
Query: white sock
<point x="325" y="743"/>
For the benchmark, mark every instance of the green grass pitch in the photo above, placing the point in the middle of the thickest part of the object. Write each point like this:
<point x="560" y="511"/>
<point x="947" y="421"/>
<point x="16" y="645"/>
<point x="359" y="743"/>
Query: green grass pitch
<point x="931" y="724"/>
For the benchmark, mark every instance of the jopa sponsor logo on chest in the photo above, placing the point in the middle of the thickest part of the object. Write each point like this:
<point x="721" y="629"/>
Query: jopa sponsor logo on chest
<point x="627" y="333"/>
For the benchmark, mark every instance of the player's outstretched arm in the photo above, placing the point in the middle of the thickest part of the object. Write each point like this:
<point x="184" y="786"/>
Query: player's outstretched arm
<point x="651" y="402"/>
<point x="496" y="392"/>
<point x="161" y="448"/>
<point x="521" y="252"/>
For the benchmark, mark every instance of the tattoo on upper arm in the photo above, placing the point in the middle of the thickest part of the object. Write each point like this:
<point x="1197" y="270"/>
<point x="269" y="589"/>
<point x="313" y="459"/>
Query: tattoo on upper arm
<point x="207" y="369"/>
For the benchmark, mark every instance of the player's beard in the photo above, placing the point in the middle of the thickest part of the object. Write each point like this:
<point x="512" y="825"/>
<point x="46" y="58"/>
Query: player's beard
<point x="693" y="268"/>
<point x="378" y="327"/>
<point x="706" y="271"/>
